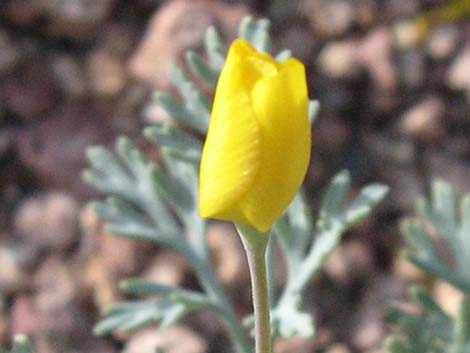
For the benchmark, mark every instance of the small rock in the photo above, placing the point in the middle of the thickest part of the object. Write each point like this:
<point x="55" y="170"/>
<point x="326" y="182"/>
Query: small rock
<point x="423" y="120"/>
<point x="55" y="149"/>
<point x="99" y="282"/>
<point x="129" y="105"/>
<point x="121" y="255"/>
<point x="9" y="55"/>
<point x="443" y="41"/>
<point x="177" y="26"/>
<point x="279" y="10"/>
<point x="409" y="272"/>
<point x="447" y="297"/>
<point x="458" y="76"/>
<point x="339" y="59"/>
<point x="108" y="258"/>
<point x="411" y="66"/>
<point x="331" y="134"/>
<point x="338" y="348"/>
<point x="401" y="8"/>
<point x="375" y="53"/>
<point x="23" y="12"/>
<point x="168" y="268"/>
<point x="48" y="220"/>
<point x="367" y="13"/>
<point x="106" y="73"/>
<point x="70" y="76"/>
<point x="119" y="38"/>
<point x="228" y="255"/>
<point x="76" y="19"/>
<point x="87" y="344"/>
<point x="177" y="339"/>
<point x="350" y="263"/>
<point x="297" y="38"/>
<point x="407" y="33"/>
<point x="4" y="332"/>
<point x="367" y="327"/>
<point x="55" y="298"/>
<point x="11" y="274"/>
<point x="295" y="344"/>
<point x="23" y="318"/>
<point x="30" y="91"/>
<point x="330" y="18"/>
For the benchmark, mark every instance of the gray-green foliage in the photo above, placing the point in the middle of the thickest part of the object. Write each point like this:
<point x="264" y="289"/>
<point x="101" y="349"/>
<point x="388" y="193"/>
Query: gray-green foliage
<point x="21" y="344"/>
<point x="157" y="203"/>
<point x="305" y="258"/>
<point x="438" y="243"/>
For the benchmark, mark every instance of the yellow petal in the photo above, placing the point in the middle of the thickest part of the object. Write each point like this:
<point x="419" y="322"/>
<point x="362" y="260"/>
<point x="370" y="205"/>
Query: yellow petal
<point x="281" y="108"/>
<point x="231" y="154"/>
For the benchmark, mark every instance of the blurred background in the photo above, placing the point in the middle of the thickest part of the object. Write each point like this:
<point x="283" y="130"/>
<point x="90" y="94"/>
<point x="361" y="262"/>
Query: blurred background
<point x="393" y="79"/>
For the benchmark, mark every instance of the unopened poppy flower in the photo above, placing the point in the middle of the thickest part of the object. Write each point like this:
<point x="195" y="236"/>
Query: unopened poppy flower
<point x="257" y="148"/>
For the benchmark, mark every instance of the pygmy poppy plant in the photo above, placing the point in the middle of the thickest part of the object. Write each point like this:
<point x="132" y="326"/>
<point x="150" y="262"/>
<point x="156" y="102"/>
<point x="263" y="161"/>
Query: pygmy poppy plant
<point x="257" y="148"/>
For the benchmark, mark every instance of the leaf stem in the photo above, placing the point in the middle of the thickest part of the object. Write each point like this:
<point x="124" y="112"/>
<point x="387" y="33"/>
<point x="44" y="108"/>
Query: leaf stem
<point x="255" y="244"/>
<point x="213" y="289"/>
<point x="463" y="322"/>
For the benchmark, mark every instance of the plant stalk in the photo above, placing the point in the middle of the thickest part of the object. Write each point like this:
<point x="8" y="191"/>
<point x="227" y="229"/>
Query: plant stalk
<point x="255" y="244"/>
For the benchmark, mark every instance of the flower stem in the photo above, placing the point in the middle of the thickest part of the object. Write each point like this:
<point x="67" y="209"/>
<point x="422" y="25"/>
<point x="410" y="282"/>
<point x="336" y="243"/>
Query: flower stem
<point x="255" y="244"/>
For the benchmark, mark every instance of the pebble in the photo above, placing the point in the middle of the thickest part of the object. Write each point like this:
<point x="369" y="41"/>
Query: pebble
<point x="29" y="92"/>
<point x="339" y="59"/>
<point x="299" y="39"/>
<point x="330" y="18"/>
<point x="9" y="54"/>
<point x="411" y="67"/>
<point x="106" y="73"/>
<point x="69" y="76"/>
<point x="295" y="344"/>
<point x="108" y="258"/>
<point x="228" y="255"/>
<point x="177" y="339"/>
<point x="177" y="26"/>
<point x="350" y="263"/>
<point x="443" y="41"/>
<point x="23" y="319"/>
<point x="338" y="348"/>
<point x="54" y="150"/>
<point x="167" y="268"/>
<point x="48" y="220"/>
<point x="75" y="19"/>
<point x="458" y="75"/>
<point x="23" y="13"/>
<point x="447" y="297"/>
<point x="55" y="298"/>
<point x="367" y="329"/>
<point x="375" y="53"/>
<point x="423" y="120"/>
<point x="12" y="276"/>
<point x="409" y="272"/>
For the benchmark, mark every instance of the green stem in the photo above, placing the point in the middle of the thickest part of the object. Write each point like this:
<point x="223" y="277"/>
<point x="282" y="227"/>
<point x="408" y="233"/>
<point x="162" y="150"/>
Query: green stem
<point x="255" y="244"/>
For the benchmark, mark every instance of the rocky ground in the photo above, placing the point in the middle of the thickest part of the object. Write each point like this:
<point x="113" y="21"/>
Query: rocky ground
<point x="75" y="73"/>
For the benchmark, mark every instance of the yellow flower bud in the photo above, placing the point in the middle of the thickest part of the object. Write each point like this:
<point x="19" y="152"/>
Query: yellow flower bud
<point x="257" y="148"/>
